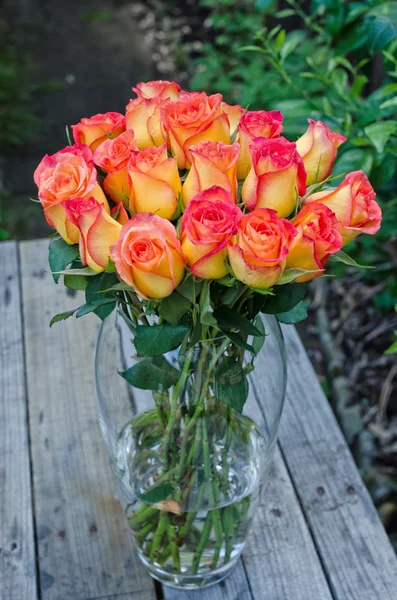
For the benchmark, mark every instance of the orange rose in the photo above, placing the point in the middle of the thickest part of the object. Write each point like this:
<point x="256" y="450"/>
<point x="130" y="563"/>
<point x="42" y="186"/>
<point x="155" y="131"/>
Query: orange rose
<point x="98" y="231"/>
<point x="354" y="205"/>
<point x="254" y="124"/>
<point x="69" y="173"/>
<point x="98" y="128"/>
<point x="191" y="119"/>
<point x="148" y="256"/>
<point x="258" y="253"/>
<point x="143" y="116"/>
<point x="276" y="177"/>
<point x="234" y="113"/>
<point x="318" y="237"/>
<point x="209" y="222"/>
<point x="213" y="163"/>
<point x="112" y="156"/>
<point x="317" y="148"/>
<point x="155" y="182"/>
<point x="157" y="89"/>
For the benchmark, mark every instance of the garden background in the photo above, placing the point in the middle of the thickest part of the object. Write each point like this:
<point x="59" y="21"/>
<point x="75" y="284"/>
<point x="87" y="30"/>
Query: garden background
<point x="325" y="59"/>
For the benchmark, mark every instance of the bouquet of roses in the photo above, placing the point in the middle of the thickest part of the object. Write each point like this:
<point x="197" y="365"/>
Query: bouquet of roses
<point x="193" y="217"/>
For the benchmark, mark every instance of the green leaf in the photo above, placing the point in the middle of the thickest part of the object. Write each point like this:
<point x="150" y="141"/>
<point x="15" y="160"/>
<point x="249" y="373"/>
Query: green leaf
<point x="230" y="295"/>
<point x="392" y="349"/>
<point x="120" y="287"/>
<point x="289" y="275"/>
<point x="62" y="316"/>
<point x="206" y="313"/>
<point x="75" y="282"/>
<point x="154" y="340"/>
<point x="173" y="307"/>
<point x="295" y="315"/>
<point x="353" y="160"/>
<point x="106" y="304"/>
<point x="60" y="255"/>
<point x="339" y="79"/>
<point x="240" y="341"/>
<point x="379" y="133"/>
<point x="151" y="374"/>
<point x="230" y="384"/>
<point x="228" y="319"/>
<point x="156" y="494"/>
<point x="189" y="289"/>
<point x="347" y="260"/>
<point x="84" y="272"/>
<point x="97" y="289"/>
<point x="286" y="298"/>
<point x="258" y="341"/>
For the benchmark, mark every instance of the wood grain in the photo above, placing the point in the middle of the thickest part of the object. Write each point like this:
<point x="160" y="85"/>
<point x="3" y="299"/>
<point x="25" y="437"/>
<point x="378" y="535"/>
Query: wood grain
<point x="353" y="545"/>
<point x="85" y="547"/>
<point x="17" y="552"/>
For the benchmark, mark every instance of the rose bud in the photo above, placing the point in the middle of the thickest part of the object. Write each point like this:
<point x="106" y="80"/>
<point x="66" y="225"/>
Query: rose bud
<point x="143" y="116"/>
<point x="213" y="163"/>
<point x="258" y="253"/>
<point x="148" y="256"/>
<point x="318" y="149"/>
<point x="69" y="173"/>
<point x="157" y="89"/>
<point x="276" y="177"/>
<point x="354" y="205"/>
<point x="318" y="237"/>
<point x="191" y="119"/>
<point x="112" y="156"/>
<point x="119" y="213"/>
<point x="155" y="182"/>
<point x="234" y="113"/>
<point x="98" y="128"/>
<point x="208" y="224"/>
<point x="98" y="231"/>
<point x="254" y="124"/>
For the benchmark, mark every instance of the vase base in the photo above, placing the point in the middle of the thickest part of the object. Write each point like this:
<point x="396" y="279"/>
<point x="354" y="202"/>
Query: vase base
<point x="189" y="582"/>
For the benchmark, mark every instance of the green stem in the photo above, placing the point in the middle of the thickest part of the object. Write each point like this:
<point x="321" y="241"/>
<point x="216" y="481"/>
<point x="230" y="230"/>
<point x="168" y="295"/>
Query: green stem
<point x="201" y="544"/>
<point x="158" y="536"/>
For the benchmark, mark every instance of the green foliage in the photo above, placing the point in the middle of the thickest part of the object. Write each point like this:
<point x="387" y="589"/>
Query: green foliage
<point x="323" y="69"/>
<point x="151" y="374"/>
<point x="295" y="315"/>
<point x="153" y="340"/>
<point x="230" y="383"/>
<point x="60" y="255"/>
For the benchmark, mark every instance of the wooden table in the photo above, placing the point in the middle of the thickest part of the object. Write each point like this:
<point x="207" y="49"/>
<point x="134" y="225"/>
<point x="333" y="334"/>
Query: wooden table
<point x="63" y="535"/>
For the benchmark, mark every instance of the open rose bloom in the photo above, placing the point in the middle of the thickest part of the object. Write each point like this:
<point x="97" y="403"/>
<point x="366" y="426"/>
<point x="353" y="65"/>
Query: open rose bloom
<point x="188" y="221"/>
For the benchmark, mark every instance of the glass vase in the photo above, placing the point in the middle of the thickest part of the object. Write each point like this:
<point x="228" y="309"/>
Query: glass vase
<point x="190" y="461"/>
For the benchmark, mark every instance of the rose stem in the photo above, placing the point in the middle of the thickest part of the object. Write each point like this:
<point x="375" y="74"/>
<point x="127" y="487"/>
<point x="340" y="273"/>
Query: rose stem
<point x="143" y="514"/>
<point x="174" y="404"/>
<point x="229" y="530"/>
<point x="144" y="532"/>
<point x="158" y="536"/>
<point x="173" y="545"/>
<point x="202" y="542"/>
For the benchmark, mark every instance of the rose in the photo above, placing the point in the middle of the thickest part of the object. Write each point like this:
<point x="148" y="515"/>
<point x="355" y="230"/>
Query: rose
<point x="253" y="124"/>
<point x="318" y="237"/>
<point x="69" y="173"/>
<point x="276" y="176"/>
<point x="209" y="222"/>
<point x="143" y="116"/>
<point x="191" y="119"/>
<point x="317" y="148"/>
<point x="112" y="156"/>
<point x="155" y="182"/>
<point x="157" y="89"/>
<point x="234" y="113"/>
<point x="258" y="253"/>
<point x="213" y="163"/>
<point x="97" y="129"/>
<point x="148" y="256"/>
<point x="98" y="231"/>
<point x="354" y="205"/>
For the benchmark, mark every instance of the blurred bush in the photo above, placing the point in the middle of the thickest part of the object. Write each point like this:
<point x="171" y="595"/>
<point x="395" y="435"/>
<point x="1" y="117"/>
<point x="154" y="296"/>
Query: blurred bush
<point x="334" y="61"/>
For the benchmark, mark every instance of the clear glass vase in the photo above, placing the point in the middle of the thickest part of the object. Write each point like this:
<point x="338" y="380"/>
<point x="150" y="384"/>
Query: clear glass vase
<point x="190" y="468"/>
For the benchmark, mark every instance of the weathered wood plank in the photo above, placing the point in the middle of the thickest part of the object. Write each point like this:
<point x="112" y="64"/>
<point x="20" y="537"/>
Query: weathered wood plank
<point x="17" y="551"/>
<point x="353" y="545"/>
<point x="85" y="547"/>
